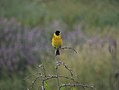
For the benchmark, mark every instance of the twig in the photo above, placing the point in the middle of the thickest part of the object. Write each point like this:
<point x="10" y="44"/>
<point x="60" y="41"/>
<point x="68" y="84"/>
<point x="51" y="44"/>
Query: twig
<point x="74" y="85"/>
<point x="62" y="85"/>
<point x="31" y="76"/>
<point x="33" y="82"/>
<point x="39" y="66"/>
<point x="44" y="71"/>
<point x="41" y="76"/>
<point x="69" y="48"/>
<point x="59" y="63"/>
<point x="55" y="76"/>
<point x="58" y="82"/>
<point x="43" y="85"/>
<point x="68" y="85"/>
<point x="44" y="78"/>
<point x="48" y="77"/>
<point x="69" y="78"/>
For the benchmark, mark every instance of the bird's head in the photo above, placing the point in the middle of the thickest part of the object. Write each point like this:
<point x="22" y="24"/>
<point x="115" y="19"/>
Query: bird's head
<point x="57" y="33"/>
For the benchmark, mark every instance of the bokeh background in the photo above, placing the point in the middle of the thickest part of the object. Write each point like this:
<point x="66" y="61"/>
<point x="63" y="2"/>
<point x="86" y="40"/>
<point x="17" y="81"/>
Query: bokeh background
<point x="89" y="26"/>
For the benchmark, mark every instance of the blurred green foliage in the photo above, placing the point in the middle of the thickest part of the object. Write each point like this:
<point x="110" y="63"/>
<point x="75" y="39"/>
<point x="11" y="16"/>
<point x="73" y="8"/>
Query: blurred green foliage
<point x="83" y="23"/>
<point x="37" y="12"/>
<point x="15" y="83"/>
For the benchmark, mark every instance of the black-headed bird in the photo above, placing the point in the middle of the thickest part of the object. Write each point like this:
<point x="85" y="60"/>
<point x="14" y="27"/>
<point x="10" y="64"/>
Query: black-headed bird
<point x="57" y="42"/>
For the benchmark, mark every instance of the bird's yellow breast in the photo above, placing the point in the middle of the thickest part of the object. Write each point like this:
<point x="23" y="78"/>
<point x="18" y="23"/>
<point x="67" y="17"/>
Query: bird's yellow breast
<point x="57" y="41"/>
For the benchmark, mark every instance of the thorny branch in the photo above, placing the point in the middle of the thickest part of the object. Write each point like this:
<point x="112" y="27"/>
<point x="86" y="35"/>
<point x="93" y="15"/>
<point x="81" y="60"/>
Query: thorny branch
<point x="72" y="82"/>
<point x="79" y="85"/>
<point x="59" y="63"/>
<point x="55" y="76"/>
<point x="58" y="82"/>
<point x="69" y="48"/>
<point x="44" y="78"/>
<point x="75" y="84"/>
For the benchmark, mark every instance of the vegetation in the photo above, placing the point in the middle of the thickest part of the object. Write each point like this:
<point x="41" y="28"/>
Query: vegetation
<point x="91" y="27"/>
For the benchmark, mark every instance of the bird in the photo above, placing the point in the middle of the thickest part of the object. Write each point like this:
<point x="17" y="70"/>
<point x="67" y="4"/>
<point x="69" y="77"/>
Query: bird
<point x="57" y="42"/>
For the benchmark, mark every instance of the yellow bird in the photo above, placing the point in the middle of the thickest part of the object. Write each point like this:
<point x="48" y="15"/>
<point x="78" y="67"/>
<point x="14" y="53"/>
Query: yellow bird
<point x="57" y="42"/>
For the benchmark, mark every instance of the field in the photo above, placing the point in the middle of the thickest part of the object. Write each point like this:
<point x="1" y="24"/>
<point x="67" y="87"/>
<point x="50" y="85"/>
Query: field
<point x="89" y="27"/>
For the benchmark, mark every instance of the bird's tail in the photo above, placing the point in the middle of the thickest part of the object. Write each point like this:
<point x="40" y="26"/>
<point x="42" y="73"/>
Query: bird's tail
<point x="57" y="52"/>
